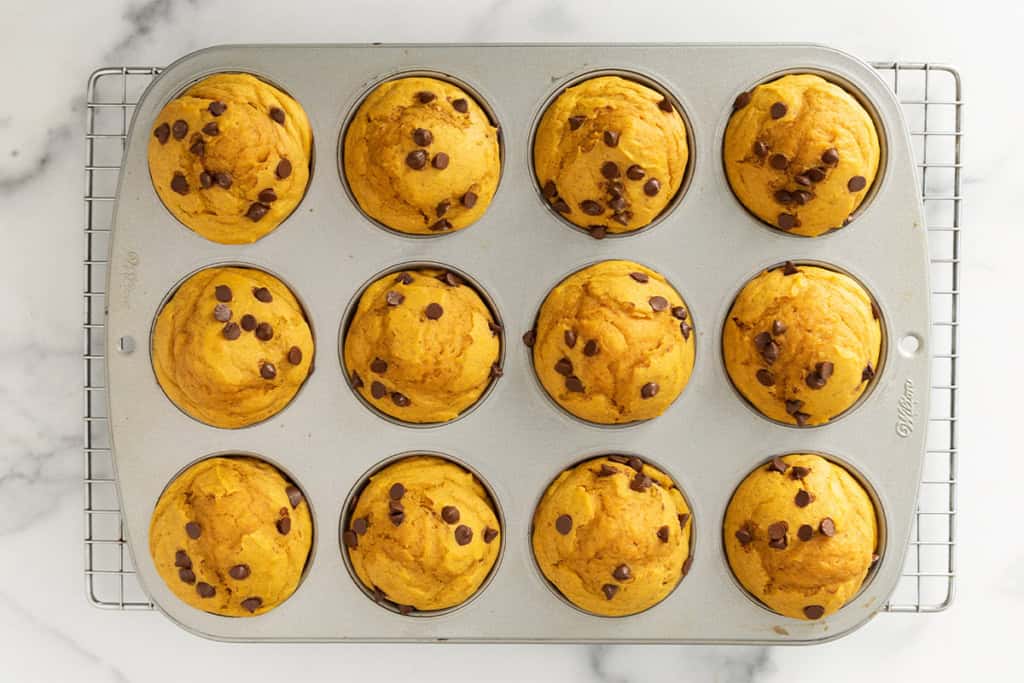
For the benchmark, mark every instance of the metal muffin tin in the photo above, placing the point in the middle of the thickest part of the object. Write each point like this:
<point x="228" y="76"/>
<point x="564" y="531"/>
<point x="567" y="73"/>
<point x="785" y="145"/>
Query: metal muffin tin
<point x="708" y="246"/>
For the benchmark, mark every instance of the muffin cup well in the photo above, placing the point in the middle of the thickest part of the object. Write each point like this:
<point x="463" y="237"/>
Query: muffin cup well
<point x="349" y="506"/>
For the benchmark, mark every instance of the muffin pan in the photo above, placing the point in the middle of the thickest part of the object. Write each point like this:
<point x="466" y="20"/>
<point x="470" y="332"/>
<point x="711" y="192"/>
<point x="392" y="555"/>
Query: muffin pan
<point x="707" y="245"/>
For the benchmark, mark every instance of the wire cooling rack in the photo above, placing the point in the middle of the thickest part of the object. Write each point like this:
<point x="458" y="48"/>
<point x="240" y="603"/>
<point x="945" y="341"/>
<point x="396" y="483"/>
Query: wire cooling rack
<point x="932" y="103"/>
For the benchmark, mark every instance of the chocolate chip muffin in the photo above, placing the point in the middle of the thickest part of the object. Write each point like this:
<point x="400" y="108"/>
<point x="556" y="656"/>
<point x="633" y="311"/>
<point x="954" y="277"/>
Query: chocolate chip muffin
<point x="802" y="343"/>
<point x="422" y="346"/>
<point x="232" y="346"/>
<point x="231" y="536"/>
<point x="610" y="154"/>
<point x="800" y="535"/>
<point x="801" y="154"/>
<point x="422" y="157"/>
<point x="230" y="157"/>
<point x="613" y="343"/>
<point x="423" y="535"/>
<point x="613" y="535"/>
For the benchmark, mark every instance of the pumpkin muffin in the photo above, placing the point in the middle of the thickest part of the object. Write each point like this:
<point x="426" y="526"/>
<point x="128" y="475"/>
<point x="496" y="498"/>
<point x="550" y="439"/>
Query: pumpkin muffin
<point x="232" y="346"/>
<point x="613" y="343"/>
<point x="610" y="154"/>
<point x="800" y="535"/>
<point x="230" y="157"/>
<point x="422" y="157"/>
<point x="422" y="346"/>
<point x="423" y="535"/>
<point x="802" y="343"/>
<point x="613" y="535"/>
<point x="231" y="536"/>
<point x="801" y="154"/>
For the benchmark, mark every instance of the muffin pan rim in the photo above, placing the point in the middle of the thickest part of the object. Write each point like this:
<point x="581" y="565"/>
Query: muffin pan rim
<point x="284" y="623"/>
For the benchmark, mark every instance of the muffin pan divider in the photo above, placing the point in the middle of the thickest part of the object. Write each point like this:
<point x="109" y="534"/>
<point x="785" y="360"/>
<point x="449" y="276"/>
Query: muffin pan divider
<point x="708" y="246"/>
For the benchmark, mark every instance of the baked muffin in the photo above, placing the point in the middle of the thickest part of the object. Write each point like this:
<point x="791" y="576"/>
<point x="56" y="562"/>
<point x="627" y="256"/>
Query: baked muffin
<point x="801" y="154"/>
<point x="230" y="157"/>
<point x="422" y="157"/>
<point x="231" y="536"/>
<point x="422" y="346"/>
<point x="232" y="346"/>
<point x="423" y="535"/>
<point x="802" y="343"/>
<point x="610" y="154"/>
<point x="613" y="535"/>
<point x="800" y="535"/>
<point x="613" y="343"/>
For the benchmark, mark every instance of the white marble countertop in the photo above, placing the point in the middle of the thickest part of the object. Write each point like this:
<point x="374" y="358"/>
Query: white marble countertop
<point x="48" y="631"/>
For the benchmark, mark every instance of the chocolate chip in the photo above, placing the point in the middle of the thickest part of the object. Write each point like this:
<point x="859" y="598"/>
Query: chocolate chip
<point x="649" y="390"/>
<point x="396" y="512"/>
<point x="765" y="377"/>
<point x="799" y="472"/>
<point x="760" y="149"/>
<point x="460" y="105"/>
<point x="530" y="337"/>
<point x="256" y="211"/>
<point x="856" y="183"/>
<point x="778" y="465"/>
<point x="295" y="355"/>
<point x="570" y="338"/>
<point x="400" y="399"/>
<point x="777" y="530"/>
<point x="205" y="590"/>
<point x="179" y="129"/>
<point x="761" y="341"/>
<point x="222" y="179"/>
<point x="590" y="348"/>
<point x="617" y="205"/>
<point x="830" y="156"/>
<point x="181" y="559"/>
<point x="187" y="575"/>
<point x="450" y="278"/>
<point x="211" y="128"/>
<point x="284" y="169"/>
<point x="357" y="381"/>
<point x="416" y="159"/>
<point x="598" y="232"/>
<point x="868" y="373"/>
<point x="561" y="207"/>
<point x="778" y="110"/>
<point x="803" y="498"/>
<point x="450" y="514"/>
<point x="805" y="532"/>
<point x="404" y="278"/>
<point x="576" y="121"/>
<point x="641" y="482"/>
<point x="294" y="495"/>
<point x="686" y="565"/>
<point x="239" y="572"/>
<point x="606" y="470"/>
<point x="574" y="384"/>
<point x="443" y="224"/>
<point x="609" y="590"/>
<point x="770" y="352"/>
<point x="801" y="197"/>
<point x="284" y="525"/>
<point x="793" y="405"/>
<point x="162" y="133"/>
<point x="248" y="323"/>
<point x="379" y="365"/>
<point x="741" y="101"/>
<point x="198" y="147"/>
<point x="778" y="327"/>
<point x="802" y="179"/>
<point x="815" y="175"/>
<point x="610" y="170"/>
<point x="425" y="97"/>
<point x="405" y="610"/>
<point x="814" y="380"/>
<point x="433" y="311"/>
<point x="252" y="604"/>
<point x="611" y="138"/>
<point x="652" y="187"/>
<point x="267" y="195"/>
<point x="217" y="107"/>
<point x="663" y="533"/>
<point x="658" y="303"/>
<point x="622" y="573"/>
<point x="469" y="200"/>
<point x="268" y="371"/>
<point x="824" y="369"/>
<point x="685" y="329"/>
<point x="801" y="418"/>
<point x="744" y="534"/>
<point x="490" y="534"/>
<point x="679" y="312"/>
<point x="262" y="294"/>
<point x="564" y="367"/>
<point x="360" y="525"/>
<point x="221" y="313"/>
<point x="231" y="331"/>
<point x="787" y="221"/>
<point x="205" y="180"/>
<point x="635" y="464"/>
<point x="422" y="137"/>
<point x="591" y="208"/>
<point x="394" y="298"/>
<point x="179" y="184"/>
<point x="563" y="524"/>
<point x="440" y="161"/>
<point x="277" y="114"/>
<point x="396" y="491"/>
<point x="683" y="518"/>
<point x="550" y="190"/>
<point x="783" y="197"/>
<point x="463" y="534"/>
<point x="788" y="268"/>
<point x="814" y="611"/>
<point x="635" y="172"/>
<point x="779" y="543"/>
<point x="827" y="527"/>
<point x="264" y="332"/>
<point x="779" y="162"/>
